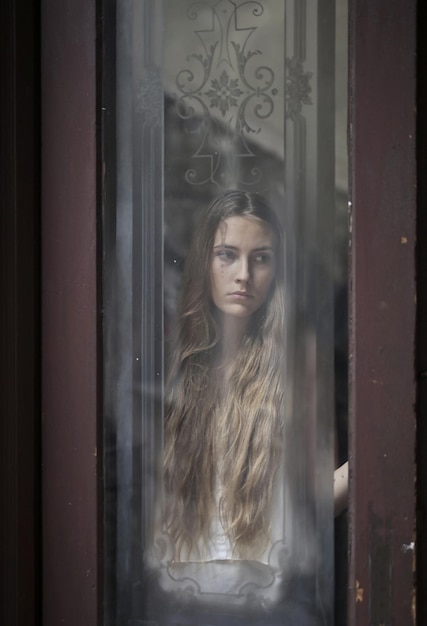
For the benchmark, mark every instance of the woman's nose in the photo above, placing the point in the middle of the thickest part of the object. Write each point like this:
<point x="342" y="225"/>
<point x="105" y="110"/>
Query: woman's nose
<point x="243" y="272"/>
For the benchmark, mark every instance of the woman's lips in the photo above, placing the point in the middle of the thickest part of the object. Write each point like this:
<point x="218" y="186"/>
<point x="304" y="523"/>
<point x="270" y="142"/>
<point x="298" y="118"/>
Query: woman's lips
<point x="241" y="295"/>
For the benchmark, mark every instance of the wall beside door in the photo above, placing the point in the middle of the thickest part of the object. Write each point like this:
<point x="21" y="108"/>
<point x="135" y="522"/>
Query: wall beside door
<point x="19" y="314"/>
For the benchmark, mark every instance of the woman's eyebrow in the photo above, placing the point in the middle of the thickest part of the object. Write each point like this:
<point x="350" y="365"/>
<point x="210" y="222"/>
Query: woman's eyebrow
<point x="227" y="246"/>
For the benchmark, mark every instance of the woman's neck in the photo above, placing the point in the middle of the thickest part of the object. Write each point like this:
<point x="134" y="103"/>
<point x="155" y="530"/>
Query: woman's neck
<point x="233" y="329"/>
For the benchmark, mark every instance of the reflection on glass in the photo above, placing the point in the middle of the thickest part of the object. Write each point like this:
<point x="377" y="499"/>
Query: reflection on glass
<point x="219" y="329"/>
<point x="225" y="411"/>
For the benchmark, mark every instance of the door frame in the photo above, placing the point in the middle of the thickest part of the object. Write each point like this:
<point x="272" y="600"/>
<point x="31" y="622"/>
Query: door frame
<point x="382" y="312"/>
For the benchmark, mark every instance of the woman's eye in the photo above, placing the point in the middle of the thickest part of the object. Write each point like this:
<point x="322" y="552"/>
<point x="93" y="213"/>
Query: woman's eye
<point x="262" y="258"/>
<point x="226" y="255"/>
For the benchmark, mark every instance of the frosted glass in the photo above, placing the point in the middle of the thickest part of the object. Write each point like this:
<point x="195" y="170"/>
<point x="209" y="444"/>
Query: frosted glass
<point x="210" y="97"/>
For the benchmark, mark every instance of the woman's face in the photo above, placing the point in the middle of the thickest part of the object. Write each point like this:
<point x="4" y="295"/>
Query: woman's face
<point x="243" y="265"/>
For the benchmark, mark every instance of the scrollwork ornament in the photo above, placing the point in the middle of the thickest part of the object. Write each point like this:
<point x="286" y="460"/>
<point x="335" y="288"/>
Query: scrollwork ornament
<point x="223" y="87"/>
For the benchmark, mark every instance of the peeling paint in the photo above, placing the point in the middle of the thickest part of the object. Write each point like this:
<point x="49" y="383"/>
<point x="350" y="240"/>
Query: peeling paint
<point x="408" y="547"/>
<point x="359" y="592"/>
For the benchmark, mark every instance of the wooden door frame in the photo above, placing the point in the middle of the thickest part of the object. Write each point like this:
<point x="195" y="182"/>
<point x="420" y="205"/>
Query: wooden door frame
<point x="421" y="336"/>
<point x="382" y="134"/>
<point x="382" y="509"/>
<point x="71" y="323"/>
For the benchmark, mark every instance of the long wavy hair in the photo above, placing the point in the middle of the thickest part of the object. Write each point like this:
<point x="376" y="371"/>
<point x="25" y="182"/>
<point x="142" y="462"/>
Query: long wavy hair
<point x="223" y="438"/>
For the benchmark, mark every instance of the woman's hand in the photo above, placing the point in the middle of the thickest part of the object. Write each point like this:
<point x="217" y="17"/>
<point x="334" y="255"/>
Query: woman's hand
<point x="340" y="488"/>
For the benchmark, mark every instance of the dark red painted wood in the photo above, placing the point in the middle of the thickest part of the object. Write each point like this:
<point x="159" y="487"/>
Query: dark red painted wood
<point x="422" y="316"/>
<point x="382" y="420"/>
<point x="69" y="307"/>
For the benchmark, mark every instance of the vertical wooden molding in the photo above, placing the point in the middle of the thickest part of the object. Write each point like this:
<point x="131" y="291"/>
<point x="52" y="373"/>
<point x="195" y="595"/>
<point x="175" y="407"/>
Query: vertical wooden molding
<point x="383" y="301"/>
<point x="422" y="316"/>
<point x="69" y="310"/>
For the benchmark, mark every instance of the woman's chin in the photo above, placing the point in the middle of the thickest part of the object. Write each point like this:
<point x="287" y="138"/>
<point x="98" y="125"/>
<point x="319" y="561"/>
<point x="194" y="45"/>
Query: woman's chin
<point x="237" y="311"/>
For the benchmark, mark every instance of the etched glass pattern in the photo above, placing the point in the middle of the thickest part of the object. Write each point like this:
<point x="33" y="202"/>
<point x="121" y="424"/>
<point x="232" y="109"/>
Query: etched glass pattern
<point x="211" y="96"/>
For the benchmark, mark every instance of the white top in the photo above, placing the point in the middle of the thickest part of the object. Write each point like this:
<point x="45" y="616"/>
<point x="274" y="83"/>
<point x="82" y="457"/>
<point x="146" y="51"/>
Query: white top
<point x="211" y="572"/>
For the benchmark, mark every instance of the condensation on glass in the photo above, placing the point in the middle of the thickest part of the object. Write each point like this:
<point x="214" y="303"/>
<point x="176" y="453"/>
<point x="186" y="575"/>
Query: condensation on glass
<point x="204" y="97"/>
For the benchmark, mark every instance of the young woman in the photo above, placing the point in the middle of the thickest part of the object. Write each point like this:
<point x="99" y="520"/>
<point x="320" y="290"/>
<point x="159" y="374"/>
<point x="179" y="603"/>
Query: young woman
<point x="223" y="440"/>
<point x="224" y="415"/>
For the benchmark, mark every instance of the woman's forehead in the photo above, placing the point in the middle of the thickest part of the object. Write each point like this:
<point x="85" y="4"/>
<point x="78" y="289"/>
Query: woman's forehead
<point x="244" y="230"/>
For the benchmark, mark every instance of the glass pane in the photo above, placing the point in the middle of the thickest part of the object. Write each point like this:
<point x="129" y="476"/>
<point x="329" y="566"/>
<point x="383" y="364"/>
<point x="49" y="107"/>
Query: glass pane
<point x="219" y="290"/>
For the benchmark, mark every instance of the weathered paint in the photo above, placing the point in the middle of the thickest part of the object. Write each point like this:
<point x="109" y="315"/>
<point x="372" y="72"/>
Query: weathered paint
<point x="382" y="311"/>
<point x="69" y="305"/>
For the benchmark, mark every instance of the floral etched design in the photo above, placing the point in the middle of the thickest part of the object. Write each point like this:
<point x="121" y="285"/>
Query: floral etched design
<point x="298" y="88"/>
<point x="224" y="93"/>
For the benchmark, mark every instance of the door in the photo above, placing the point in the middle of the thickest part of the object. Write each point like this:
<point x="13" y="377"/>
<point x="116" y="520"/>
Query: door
<point x="382" y="310"/>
